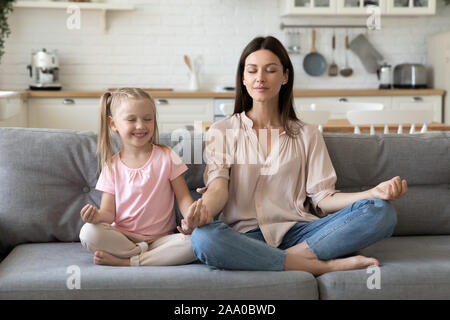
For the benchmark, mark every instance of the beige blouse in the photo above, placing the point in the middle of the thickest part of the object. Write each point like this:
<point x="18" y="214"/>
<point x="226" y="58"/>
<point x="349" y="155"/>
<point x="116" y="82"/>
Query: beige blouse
<point x="272" y="192"/>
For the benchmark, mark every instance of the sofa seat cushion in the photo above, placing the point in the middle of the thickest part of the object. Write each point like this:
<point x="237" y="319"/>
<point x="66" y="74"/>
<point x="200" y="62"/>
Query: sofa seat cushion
<point x="42" y="270"/>
<point x="411" y="268"/>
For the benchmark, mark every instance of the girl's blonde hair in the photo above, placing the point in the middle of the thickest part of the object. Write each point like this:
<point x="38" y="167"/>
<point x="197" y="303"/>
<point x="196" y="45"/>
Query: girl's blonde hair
<point x="109" y="103"/>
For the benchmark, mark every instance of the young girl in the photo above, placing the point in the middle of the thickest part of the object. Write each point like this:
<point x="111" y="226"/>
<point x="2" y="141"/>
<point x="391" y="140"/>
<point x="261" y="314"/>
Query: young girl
<point x="136" y="221"/>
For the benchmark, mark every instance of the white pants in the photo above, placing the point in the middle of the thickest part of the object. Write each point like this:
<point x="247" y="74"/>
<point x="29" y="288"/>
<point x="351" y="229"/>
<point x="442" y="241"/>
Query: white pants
<point x="172" y="249"/>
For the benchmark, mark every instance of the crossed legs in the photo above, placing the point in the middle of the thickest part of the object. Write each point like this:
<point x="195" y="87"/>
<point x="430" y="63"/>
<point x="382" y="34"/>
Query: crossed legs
<point x="112" y="247"/>
<point x="316" y="247"/>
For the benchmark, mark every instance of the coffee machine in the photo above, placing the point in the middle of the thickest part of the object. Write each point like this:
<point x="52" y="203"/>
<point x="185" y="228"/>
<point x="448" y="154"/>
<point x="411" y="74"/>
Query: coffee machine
<point x="44" y="71"/>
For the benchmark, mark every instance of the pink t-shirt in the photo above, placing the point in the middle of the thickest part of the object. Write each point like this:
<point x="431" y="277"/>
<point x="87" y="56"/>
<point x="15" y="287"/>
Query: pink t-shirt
<point x="144" y="196"/>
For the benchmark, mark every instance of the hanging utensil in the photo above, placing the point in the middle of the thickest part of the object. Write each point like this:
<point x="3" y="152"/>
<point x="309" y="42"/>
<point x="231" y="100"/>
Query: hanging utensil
<point x="314" y="63"/>
<point x="346" y="71"/>
<point x="333" y="69"/>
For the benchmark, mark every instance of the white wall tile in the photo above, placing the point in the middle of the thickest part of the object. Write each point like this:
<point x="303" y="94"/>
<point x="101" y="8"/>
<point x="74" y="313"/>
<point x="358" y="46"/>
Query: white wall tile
<point x="145" y="47"/>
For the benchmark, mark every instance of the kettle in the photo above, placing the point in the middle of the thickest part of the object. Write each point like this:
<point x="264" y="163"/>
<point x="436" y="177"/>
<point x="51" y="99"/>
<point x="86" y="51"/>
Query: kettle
<point x="384" y="73"/>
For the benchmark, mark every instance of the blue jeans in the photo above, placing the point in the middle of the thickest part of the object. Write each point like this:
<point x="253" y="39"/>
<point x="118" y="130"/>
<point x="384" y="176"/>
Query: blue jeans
<point x="336" y="235"/>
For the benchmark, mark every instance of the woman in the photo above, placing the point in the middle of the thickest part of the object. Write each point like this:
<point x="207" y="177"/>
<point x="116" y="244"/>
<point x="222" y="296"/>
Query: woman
<point x="266" y="222"/>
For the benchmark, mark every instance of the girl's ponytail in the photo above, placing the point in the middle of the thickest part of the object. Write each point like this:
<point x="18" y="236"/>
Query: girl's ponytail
<point x="104" y="148"/>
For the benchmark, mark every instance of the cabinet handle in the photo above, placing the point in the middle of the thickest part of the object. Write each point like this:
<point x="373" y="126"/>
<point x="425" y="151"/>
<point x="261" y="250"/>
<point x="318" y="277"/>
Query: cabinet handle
<point x="68" y="101"/>
<point x="416" y="99"/>
<point x="162" y="102"/>
<point x="343" y="100"/>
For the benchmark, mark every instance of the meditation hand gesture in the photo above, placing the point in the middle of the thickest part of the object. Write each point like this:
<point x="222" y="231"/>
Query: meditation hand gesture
<point x="89" y="214"/>
<point x="197" y="216"/>
<point x="390" y="190"/>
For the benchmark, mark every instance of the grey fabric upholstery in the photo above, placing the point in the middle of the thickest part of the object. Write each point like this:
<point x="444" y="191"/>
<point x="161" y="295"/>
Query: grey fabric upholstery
<point x="416" y="267"/>
<point x="363" y="161"/>
<point x="47" y="175"/>
<point x="40" y="271"/>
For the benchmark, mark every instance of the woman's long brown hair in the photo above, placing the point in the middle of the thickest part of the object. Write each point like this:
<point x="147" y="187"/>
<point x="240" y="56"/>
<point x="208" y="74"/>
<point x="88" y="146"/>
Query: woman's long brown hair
<point x="244" y="102"/>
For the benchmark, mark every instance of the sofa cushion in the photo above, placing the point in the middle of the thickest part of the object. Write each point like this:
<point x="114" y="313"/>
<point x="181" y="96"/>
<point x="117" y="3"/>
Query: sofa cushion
<point x="416" y="267"/>
<point x="47" y="177"/>
<point x="190" y="147"/>
<point x="42" y="271"/>
<point x="362" y="161"/>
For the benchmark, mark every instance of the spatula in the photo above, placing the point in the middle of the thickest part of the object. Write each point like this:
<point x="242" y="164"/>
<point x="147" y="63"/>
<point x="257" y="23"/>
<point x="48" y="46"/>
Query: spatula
<point x="346" y="71"/>
<point x="333" y="69"/>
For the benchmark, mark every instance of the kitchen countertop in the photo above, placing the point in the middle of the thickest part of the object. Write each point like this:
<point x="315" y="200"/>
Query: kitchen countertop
<point x="343" y="125"/>
<point x="212" y="94"/>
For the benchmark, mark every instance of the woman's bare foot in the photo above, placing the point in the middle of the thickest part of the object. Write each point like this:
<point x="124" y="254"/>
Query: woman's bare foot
<point x="107" y="259"/>
<point x="301" y="257"/>
<point x="353" y="263"/>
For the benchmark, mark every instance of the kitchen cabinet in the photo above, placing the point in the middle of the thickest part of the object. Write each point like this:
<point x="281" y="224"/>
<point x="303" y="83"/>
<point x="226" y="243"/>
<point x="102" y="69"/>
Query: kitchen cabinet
<point x="308" y="7"/>
<point x="357" y="7"/>
<point x="65" y="113"/>
<point x="411" y="7"/>
<point x="83" y="113"/>
<point x="174" y="113"/>
<point x="305" y="103"/>
<point x="418" y="102"/>
<point x="431" y="103"/>
<point x="13" y="112"/>
<point x="439" y="67"/>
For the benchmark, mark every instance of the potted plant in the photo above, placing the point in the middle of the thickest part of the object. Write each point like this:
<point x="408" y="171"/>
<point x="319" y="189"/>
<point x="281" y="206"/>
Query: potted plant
<point x="6" y="6"/>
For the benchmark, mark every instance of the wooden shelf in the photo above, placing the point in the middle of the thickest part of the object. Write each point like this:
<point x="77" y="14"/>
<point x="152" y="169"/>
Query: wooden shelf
<point x="66" y="4"/>
<point x="102" y="7"/>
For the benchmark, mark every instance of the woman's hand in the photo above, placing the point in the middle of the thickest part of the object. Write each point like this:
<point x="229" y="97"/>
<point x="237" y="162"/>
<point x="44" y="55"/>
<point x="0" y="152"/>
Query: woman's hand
<point x="390" y="190"/>
<point x="197" y="216"/>
<point x="89" y="214"/>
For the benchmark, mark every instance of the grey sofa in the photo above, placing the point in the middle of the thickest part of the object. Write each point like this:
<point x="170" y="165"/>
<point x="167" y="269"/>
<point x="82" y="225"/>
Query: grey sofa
<point x="46" y="176"/>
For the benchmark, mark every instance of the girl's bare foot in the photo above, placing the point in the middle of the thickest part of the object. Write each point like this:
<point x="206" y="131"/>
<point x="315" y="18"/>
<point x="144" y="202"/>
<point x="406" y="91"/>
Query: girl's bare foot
<point x="107" y="259"/>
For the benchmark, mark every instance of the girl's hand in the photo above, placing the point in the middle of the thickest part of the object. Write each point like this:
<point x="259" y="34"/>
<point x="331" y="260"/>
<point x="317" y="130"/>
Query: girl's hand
<point x="197" y="216"/>
<point x="89" y="214"/>
<point x="390" y="190"/>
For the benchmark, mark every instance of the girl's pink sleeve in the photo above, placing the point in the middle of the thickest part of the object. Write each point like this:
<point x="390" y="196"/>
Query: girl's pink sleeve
<point x="177" y="166"/>
<point x="105" y="182"/>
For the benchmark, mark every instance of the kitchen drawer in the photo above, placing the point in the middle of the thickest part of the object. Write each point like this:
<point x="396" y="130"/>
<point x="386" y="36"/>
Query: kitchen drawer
<point x="65" y="113"/>
<point x="305" y="103"/>
<point x="174" y="114"/>
<point x="432" y="103"/>
<point x="185" y="109"/>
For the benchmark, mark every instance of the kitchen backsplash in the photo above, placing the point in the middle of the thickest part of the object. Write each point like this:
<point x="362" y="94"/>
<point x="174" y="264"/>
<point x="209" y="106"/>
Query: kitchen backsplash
<point x="145" y="47"/>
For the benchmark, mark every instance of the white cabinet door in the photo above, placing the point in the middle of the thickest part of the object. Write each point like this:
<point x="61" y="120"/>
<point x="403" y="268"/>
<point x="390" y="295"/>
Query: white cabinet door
<point x="175" y="114"/>
<point x="13" y="112"/>
<point x="360" y="7"/>
<point x="64" y="113"/>
<point x="411" y="7"/>
<point x="308" y="7"/>
<point x="432" y="103"/>
<point x="305" y="103"/>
